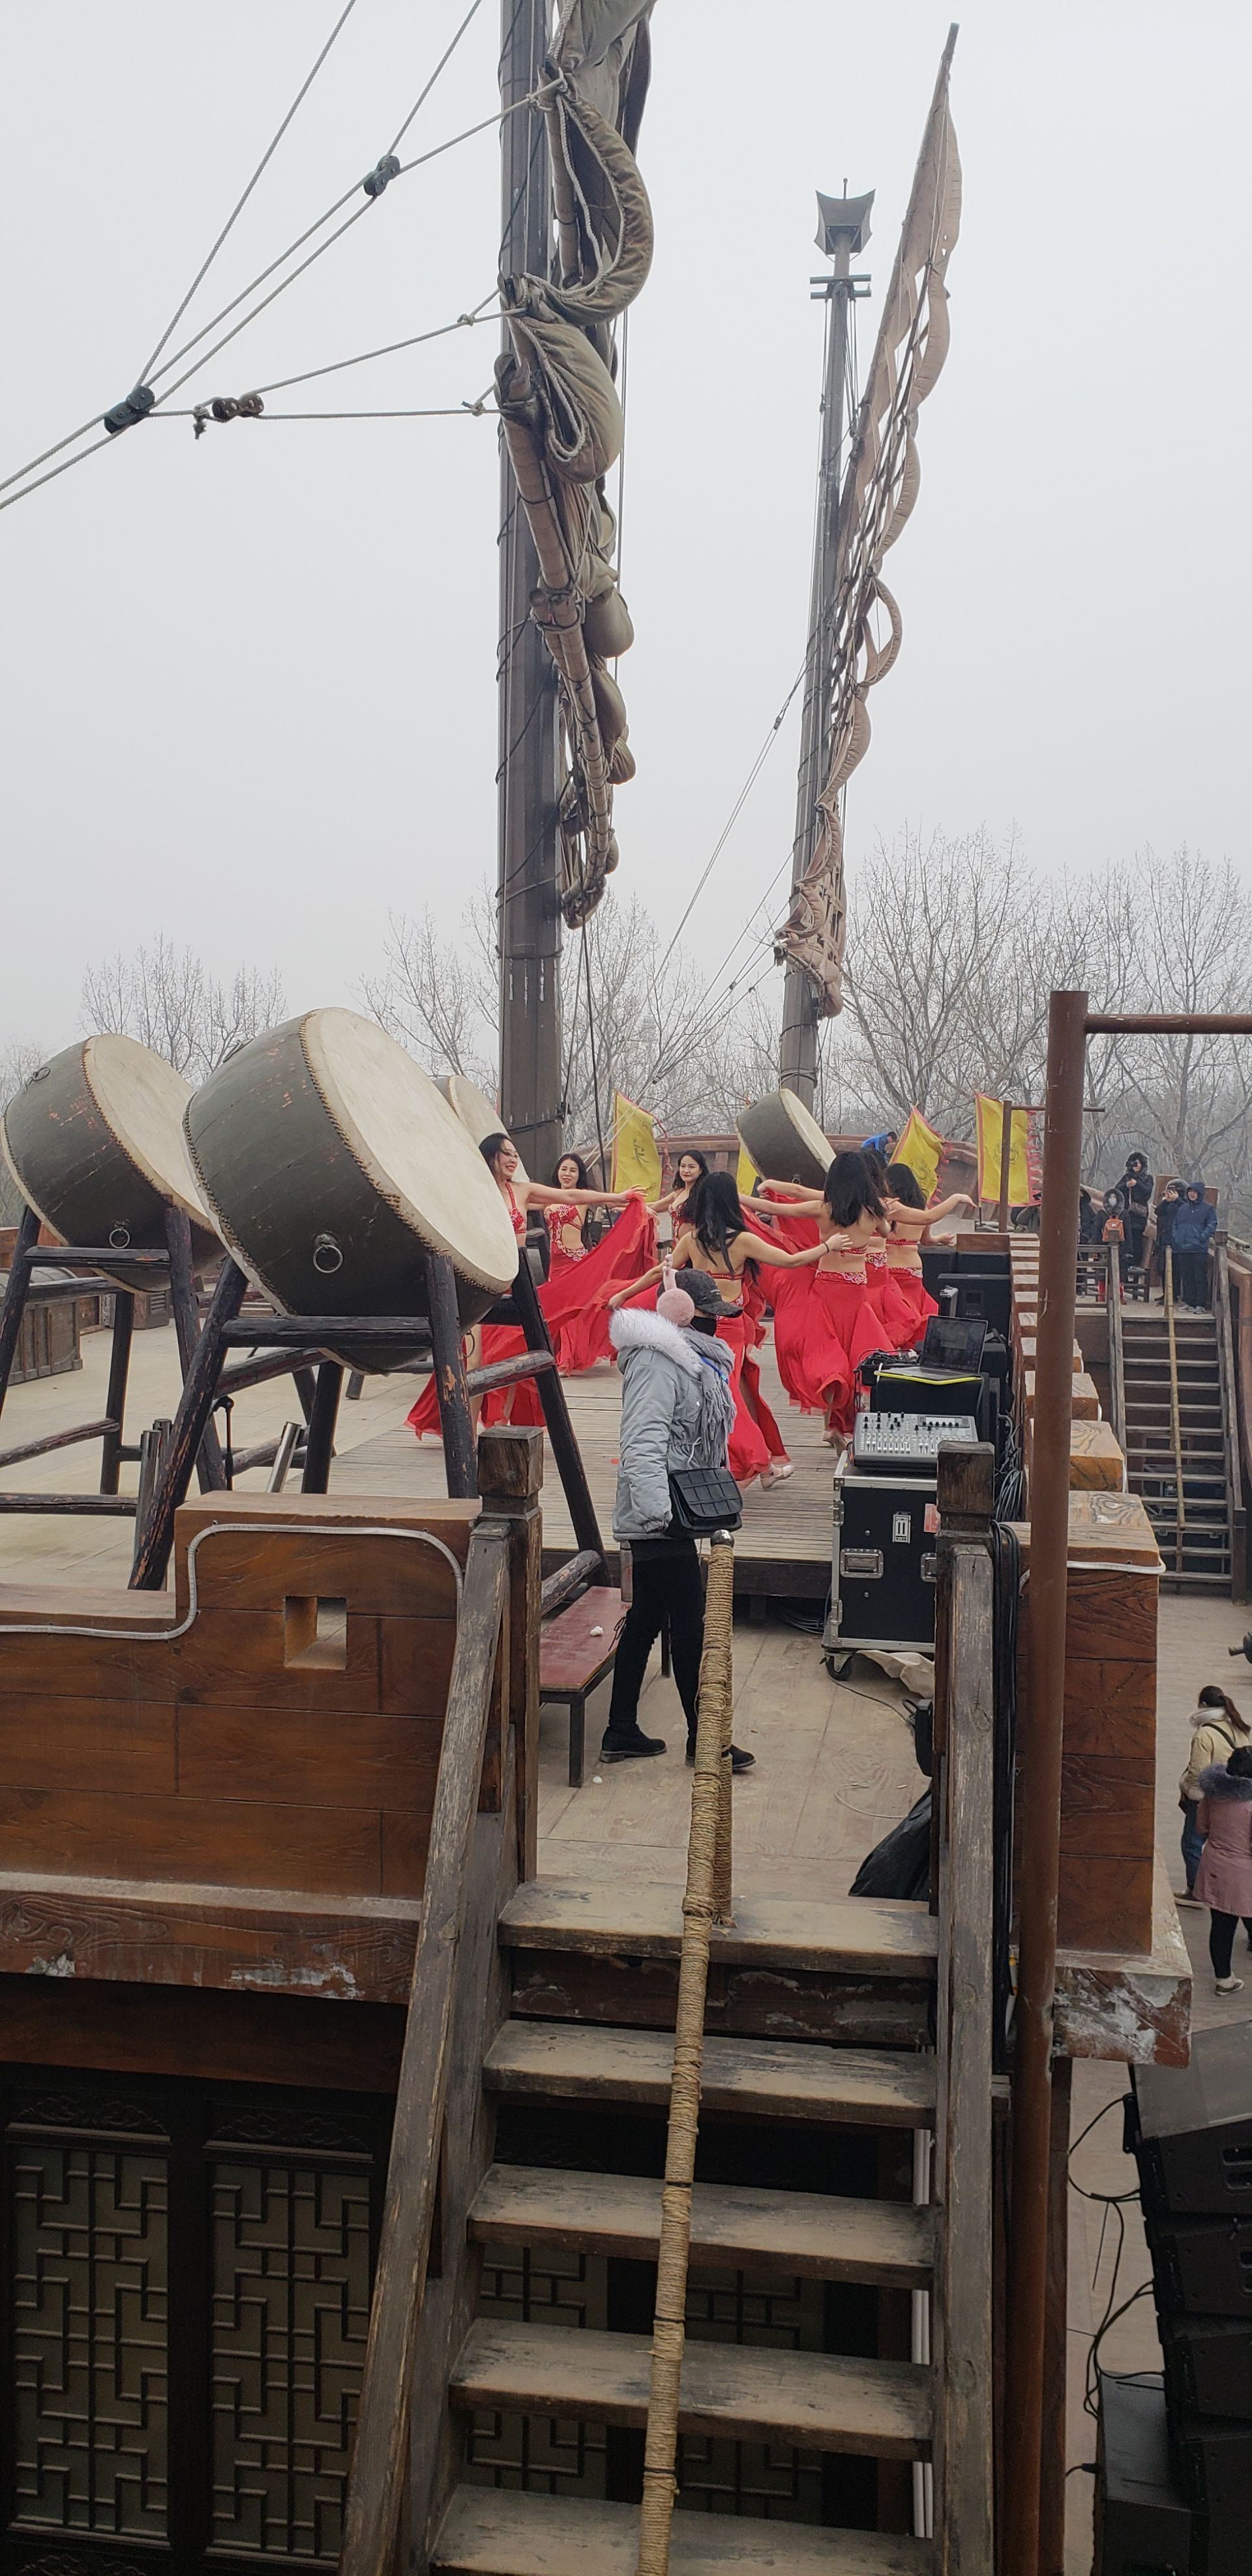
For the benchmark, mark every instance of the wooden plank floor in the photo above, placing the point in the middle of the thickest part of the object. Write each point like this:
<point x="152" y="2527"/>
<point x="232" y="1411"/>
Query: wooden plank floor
<point x="834" y="1762"/>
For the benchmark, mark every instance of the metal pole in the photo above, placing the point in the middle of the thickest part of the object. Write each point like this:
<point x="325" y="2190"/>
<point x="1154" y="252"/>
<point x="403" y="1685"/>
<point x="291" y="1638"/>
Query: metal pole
<point x="1006" y="1149"/>
<point x="529" y="910"/>
<point x="797" y="1062"/>
<point x="1039" y="1797"/>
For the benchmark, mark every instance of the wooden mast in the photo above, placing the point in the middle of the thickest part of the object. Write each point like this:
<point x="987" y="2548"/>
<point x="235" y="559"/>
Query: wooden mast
<point x="843" y="227"/>
<point x="528" y="908"/>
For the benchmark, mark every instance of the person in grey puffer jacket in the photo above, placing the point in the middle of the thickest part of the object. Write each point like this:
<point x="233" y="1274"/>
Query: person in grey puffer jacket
<point x="677" y="1411"/>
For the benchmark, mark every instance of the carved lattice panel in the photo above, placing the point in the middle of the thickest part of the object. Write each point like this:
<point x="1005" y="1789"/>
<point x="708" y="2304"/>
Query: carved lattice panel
<point x="543" y="2453"/>
<point x="290" y="2315"/>
<point x="88" y="2280"/>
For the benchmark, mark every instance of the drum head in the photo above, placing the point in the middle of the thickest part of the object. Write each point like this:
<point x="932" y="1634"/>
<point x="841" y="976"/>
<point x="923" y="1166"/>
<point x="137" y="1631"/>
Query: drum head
<point x="144" y="1102"/>
<point x="785" y="1141"/>
<point x="95" y="1143"/>
<point x="476" y="1112"/>
<point x="411" y="1145"/>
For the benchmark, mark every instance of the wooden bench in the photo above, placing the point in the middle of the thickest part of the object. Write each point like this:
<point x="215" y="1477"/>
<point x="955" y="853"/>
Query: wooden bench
<point x="576" y="1649"/>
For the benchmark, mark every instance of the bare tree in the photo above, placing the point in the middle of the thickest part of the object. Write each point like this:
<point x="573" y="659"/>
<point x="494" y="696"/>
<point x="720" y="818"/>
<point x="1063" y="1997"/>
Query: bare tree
<point x="18" y="1060"/>
<point x="1175" y="934"/>
<point x="163" y="996"/>
<point x="438" y="997"/>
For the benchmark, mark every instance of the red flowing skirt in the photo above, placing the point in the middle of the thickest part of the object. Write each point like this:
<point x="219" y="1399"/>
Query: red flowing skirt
<point x="841" y="1327"/>
<point x="911" y="1288"/>
<point x="897" y="1311"/>
<point x="574" y="1298"/>
<point x="755" y="1439"/>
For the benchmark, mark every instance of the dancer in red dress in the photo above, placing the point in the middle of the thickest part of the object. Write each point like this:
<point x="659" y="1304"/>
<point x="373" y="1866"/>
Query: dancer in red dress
<point x="910" y="1218"/>
<point x="520" y="1404"/>
<point x="822" y="1337"/>
<point x="719" y="1244"/>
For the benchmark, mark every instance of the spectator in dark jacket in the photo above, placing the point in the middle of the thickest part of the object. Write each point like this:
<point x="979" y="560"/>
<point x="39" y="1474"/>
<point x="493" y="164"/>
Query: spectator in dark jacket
<point x="1166" y="1211"/>
<point x="1137" y="1185"/>
<point x="1195" y="1224"/>
<point x="1088" y="1221"/>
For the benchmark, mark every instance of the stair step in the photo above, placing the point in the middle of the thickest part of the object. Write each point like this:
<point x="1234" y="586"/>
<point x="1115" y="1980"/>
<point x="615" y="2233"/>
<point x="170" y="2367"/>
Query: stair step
<point x="490" y="2531"/>
<point x="819" y="2401"/>
<point x="821" y="2235"/>
<point x="778" y="2079"/>
<point x="851" y="1935"/>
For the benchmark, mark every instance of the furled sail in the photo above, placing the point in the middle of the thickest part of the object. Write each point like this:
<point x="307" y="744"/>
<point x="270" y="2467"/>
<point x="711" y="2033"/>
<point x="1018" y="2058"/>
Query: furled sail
<point x="560" y="409"/>
<point x="880" y="487"/>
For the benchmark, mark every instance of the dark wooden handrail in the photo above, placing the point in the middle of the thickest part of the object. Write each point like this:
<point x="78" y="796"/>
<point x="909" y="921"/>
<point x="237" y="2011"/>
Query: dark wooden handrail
<point x="377" y="2477"/>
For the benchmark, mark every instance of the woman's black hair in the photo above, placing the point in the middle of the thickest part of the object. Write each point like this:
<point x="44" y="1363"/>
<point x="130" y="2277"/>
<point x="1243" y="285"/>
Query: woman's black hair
<point x="491" y="1145"/>
<point x="851" y="1190"/>
<point x="569" y="1156"/>
<point x="877" y="1168"/>
<point x="1214" y="1697"/>
<point x="1240" y="1762"/>
<point x="1140" y="1159"/>
<point x="714" y="1210"/>
<point x="692" y="1154"/>
<point x="904" y="1185"/>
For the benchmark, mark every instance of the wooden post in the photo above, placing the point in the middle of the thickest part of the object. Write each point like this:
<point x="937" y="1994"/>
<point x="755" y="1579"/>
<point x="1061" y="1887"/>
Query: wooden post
<point x="17" y="1289"/>
<point x="561" y="1433"/>
<point x="1039" y="1802"/>
<point x="319" y="1444"/>
<point x="115" y="1400"/>
<point x="964" y="1789"/>
<point x="374" y="2492"/>
<point x="510" y="1480"/>
<point x="210" y="1471"/>
<point x="460" y="1466"/>
<point x="1056" y="2329"/>
<point x="194" y="1408"/>
<point x="706" y="1901"/>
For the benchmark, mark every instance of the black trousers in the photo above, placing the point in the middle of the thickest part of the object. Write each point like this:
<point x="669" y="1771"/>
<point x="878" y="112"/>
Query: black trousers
<point x="1191" y="1277"/>
<point x="1222" y="1940"/>
<point x="666" y="1586"/>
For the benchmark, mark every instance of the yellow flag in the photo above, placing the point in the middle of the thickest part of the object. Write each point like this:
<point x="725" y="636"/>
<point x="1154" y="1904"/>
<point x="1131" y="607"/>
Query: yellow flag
<point x="636" y="1159"/>
<point x="990" y="1137"/>
<point x="920" y="1147"/>
<point x="746" y="1173"/>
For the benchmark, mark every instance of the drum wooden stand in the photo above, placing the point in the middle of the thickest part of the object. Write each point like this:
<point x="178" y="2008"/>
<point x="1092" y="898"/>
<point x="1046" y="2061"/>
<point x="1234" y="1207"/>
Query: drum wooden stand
<point x="287" y="1341"/>
<point x="172" y="1267"/>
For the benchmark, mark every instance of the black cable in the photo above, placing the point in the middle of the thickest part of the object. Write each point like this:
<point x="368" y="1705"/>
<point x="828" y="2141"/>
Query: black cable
<point x="266" y="157"/>
<point x="1006" y="1587"/>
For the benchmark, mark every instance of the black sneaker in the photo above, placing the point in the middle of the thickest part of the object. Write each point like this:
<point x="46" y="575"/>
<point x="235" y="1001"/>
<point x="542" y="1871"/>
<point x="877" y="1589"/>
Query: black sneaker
<point x="739" y="1760"/>
<point x="628" y="1748"/>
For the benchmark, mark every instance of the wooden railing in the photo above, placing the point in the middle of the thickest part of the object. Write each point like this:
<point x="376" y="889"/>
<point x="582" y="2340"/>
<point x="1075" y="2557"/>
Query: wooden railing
<point x="964" y="1790"/>
<point x="1117" y="1343"/>
<point x="493" y="1681"/>
<point x="1234" y="1396"/>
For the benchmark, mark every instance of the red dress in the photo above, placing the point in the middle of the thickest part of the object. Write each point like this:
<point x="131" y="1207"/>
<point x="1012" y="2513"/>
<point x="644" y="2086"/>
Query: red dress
<point x="911" y="1288"/>
<point x="842" y="1326"/>
<point x="897" y="1311"/>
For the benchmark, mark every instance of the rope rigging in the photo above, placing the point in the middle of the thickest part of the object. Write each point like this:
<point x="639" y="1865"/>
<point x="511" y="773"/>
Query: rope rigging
<point x="142" y="402"/>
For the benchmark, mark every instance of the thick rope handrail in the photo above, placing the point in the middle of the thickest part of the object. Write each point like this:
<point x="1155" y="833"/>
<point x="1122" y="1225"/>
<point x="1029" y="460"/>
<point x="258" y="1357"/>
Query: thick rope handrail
<point x="706" y="1901"/>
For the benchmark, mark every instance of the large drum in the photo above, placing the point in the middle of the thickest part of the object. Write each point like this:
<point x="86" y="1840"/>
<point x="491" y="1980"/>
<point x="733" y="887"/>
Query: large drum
<point x="476" y="1112"/>
<point x="94" y="1141"/>
<point x="785" y="1142"/>
<point x="333" y="1166"/>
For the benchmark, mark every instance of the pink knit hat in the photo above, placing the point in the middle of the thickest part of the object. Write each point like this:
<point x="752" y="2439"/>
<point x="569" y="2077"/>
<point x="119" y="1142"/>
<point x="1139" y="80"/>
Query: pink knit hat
<point x="675" y="1306"/>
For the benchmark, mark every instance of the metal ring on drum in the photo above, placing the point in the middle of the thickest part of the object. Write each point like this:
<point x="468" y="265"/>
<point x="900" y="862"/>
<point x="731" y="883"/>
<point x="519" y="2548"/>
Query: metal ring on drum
<point x="94" y="1141"/>
<point x="785" y="1141"/>
<point x="333" y="1166"/>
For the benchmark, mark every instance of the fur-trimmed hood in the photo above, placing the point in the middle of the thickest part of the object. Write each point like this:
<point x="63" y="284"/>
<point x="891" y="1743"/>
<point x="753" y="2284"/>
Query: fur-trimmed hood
<point x="636" y="1328"/>
<point x="1217" y="1782"/>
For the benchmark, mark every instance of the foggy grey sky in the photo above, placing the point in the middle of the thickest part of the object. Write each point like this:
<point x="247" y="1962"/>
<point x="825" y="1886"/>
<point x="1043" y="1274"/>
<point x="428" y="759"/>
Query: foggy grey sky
<point x="248" y="683"/>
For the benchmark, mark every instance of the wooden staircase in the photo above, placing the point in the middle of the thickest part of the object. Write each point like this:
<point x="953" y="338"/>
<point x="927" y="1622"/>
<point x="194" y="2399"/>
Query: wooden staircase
<point x="558" y="2083"/>
<point x="837" y="2393"/>
<point x="1197" y="1551"/>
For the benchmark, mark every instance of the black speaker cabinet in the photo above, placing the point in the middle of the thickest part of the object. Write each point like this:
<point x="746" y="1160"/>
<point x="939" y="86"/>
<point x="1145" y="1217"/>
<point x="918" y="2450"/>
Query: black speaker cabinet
<point x="1142" y="2521"/>
<point x="1201" y="2266"/>
<point x="1208" y="2366"/>
<point x="1190" y="2128"/>
<point x="1213" y="2462"/>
